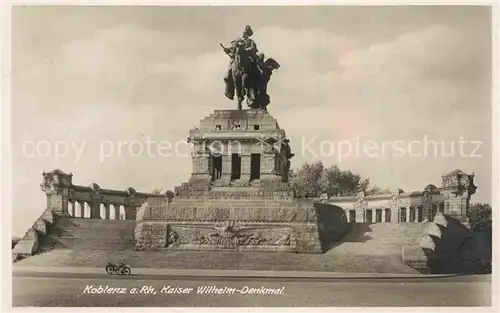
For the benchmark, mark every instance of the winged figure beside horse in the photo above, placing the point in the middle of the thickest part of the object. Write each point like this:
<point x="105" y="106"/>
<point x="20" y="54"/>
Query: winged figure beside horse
<point x="248" y="73"/>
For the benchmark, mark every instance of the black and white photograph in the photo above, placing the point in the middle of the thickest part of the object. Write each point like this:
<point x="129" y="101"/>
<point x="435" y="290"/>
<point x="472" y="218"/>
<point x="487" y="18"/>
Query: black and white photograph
<point x="251" y="156"/>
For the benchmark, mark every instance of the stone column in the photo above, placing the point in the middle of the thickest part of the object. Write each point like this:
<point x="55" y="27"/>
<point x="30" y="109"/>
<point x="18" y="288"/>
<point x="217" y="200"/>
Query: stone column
<point x="226" y="168"/>
<point x="395" y="211"/>
<point x="374" y="215"/>
<point x="82" y="208"/>
<point x="428" y="212"/>
<point x="347" y="214"/>
<point x="130" y="212"/>
<point x="268" y="170"/>
<point x="200" y="162"/>
<point x="117" y="211"/>
<point x="58" y="201"/>
<point x="106" y="210"/>
<point x="56" y="184"/>
<point x="360" y="215"/>
<point x="95" y="208"/>
<point x="73" y="208"/>
<point x="245" y="167"/>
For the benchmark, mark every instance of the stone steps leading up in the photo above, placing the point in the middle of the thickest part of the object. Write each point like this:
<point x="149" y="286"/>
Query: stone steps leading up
<point x="381" y="238"/>
<point x="84" y="234"/>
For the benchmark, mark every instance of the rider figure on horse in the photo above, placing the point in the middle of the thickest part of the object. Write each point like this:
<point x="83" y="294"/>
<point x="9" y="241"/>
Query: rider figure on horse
<point x="250" y="46"/>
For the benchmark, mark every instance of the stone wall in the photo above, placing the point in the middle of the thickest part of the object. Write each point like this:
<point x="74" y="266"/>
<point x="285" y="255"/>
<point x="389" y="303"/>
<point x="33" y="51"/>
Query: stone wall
<point x="29" y="243"/>
<point x="448" y="247"/>
<point x="294" y="226"/>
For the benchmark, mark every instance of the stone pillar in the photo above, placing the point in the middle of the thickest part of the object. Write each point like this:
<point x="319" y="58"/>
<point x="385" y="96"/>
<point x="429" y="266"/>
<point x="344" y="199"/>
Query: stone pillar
<point x="56" y="185"/>
<point x="82" y="208"/>
<point x="268" y="170"/>
<point x="130" y="212"/>
<point x="245" y="167"/>
<point x="360" y="215"/>
<point x="457" y="189"/>
<point x="106" y="210"/>
<point x="417" y="216"/>
<point x="374" y="215"/>
<point x="200" y="167"/>
<point x="117" y="211"/>
<point x="73" y="208"/>
<point x="428" y="212"/>
<point x="226" y="168"/>
<point x="347" y="214"/>
<point x="395" y="211"/>
<point x="95" y="203"/>
<point x="95" y="209"/>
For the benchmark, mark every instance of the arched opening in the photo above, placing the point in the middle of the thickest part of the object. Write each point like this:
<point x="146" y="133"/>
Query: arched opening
<point x="420" y="214"/>
<point x="123" y="215"/>
<point x="102" y="211"/>
<point x="86" y="211"/>
<point x="112" y="212"/>
<point x="387" y="215"/>
<point x="412" y="215"/>
<point x="78" y="209"/>
<point x="402" y="215"/>
<point x="71" y="209"/>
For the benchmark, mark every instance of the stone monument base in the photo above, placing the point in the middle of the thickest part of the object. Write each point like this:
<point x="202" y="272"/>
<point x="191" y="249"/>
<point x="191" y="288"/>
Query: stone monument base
<point x="274" y="222"/>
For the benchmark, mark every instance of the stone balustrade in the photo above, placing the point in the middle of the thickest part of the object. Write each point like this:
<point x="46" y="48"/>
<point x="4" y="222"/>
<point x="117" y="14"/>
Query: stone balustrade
<point x="64" y="198"/>
<point x="452" y="199"/>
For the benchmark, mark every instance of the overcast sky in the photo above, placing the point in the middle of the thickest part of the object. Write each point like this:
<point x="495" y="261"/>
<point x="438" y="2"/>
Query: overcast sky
<point x="84" y="75"/>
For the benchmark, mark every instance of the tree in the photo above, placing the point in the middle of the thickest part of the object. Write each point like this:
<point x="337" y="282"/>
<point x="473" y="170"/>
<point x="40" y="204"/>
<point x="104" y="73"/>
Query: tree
<point x="376" y="190"/>
<point x="312" y="180"/>
<point x="480" y="222"/>
<point x="306" y="180"/>
<point x="157" y="191"/>
<point x="170" y="195"/>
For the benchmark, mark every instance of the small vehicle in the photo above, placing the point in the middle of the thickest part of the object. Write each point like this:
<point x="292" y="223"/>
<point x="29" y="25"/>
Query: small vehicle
<point x="118" y="268"/>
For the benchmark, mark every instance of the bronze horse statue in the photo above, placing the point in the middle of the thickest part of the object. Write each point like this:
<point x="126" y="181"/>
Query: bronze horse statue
<point x="249" y="77"/>
<point x="261" y="81"/>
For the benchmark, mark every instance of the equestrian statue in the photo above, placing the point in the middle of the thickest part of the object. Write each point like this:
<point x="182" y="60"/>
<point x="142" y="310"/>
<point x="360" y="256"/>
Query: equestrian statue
<point x="248" y="72"/>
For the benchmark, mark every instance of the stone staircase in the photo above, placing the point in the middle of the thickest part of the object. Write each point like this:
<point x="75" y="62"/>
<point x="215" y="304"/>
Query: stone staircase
<point x="380" y="239"/>
<point x="85" y="242"/>
<point x="89" y="234"/>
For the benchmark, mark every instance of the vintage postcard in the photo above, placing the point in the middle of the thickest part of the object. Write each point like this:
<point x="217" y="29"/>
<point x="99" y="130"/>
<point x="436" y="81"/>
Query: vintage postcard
<point x="251" y="156"/>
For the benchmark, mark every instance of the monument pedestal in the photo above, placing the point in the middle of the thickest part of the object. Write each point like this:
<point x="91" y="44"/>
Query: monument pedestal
<point x="238" y="197"/>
